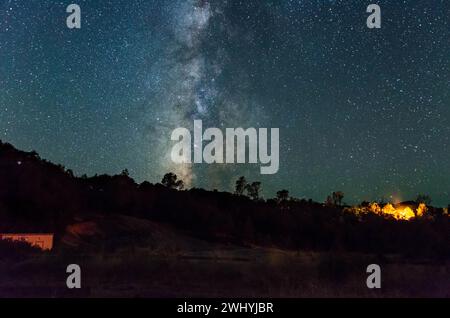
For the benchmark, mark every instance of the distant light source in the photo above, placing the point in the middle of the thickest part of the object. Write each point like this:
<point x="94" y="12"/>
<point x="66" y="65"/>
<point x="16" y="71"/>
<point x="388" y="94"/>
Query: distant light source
<point x="399" y="211"/>
<point x="42" y="241"/>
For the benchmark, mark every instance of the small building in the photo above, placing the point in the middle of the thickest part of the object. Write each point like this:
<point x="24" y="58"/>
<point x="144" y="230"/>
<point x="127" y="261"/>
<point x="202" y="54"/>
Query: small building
<point x="43" y="241"/>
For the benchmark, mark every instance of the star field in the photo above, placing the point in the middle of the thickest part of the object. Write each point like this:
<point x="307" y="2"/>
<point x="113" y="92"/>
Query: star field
<point x="364" y="111"/>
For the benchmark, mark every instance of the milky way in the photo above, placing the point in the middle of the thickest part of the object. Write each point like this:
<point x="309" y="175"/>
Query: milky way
<point x="362" y="111"/>
<point x="193" y="69"/>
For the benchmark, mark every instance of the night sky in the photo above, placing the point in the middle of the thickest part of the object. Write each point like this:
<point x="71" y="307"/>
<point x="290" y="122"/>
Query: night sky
<point x="364" y="111"/>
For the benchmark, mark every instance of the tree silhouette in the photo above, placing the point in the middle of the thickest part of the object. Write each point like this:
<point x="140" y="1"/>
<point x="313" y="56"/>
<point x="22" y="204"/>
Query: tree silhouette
<point x="70" y="173"/>
<point x="35" y="154"/>
<point x="338" y="196"/>
<point x="423" y="198"/>
<point x="125" y="172"/>
<point x="282" y="195"/>
<point x="241" y="184"/>
<point x="253" y="190"/>
<point x="170" y="180"/>
<point x="329" y="201"/>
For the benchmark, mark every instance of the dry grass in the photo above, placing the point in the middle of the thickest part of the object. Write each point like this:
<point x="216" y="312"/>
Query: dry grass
<point x="221" y="272"/>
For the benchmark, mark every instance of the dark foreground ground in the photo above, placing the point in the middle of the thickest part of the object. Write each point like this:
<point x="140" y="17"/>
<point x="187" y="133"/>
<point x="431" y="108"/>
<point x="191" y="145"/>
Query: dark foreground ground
<point x="221" y="272"/>
<point x="128" y="257"/>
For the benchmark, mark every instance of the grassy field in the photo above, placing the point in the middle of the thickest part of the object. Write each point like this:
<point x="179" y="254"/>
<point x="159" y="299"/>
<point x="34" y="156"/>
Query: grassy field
<point x="221" y="271"/>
